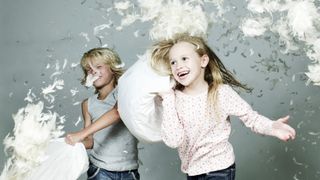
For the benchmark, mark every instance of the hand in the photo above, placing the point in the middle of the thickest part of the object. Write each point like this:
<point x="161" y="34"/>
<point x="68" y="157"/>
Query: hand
<point x="282" y="130"/>
<point x="167" y="93"/>
<point x="73" y="138"/>
<point x="158" y="96"/>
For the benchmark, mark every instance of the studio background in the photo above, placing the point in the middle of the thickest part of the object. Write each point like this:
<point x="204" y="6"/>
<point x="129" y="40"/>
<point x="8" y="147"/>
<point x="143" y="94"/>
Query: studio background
<point x="38" y="35"/>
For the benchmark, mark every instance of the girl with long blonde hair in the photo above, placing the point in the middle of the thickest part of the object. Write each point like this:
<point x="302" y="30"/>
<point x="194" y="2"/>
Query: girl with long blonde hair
<point x="196" y="114"/>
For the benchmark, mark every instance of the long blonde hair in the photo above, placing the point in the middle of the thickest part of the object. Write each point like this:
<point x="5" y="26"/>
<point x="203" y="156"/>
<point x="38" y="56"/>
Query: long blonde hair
<point x="106" y="56"/>
<point x="215" y="72"/>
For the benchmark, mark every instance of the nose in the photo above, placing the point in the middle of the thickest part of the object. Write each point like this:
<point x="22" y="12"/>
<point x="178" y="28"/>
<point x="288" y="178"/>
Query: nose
<point x="93" y="69"/>
<point x="179" y="65"/>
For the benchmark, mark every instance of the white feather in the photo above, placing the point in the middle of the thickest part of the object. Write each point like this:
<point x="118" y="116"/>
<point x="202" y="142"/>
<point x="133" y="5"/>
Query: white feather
<point x="74" y="91"/>
<point x="314" y="73"/>
<point x="314" y="52"/>
<point x="97" y="29"/>
<point x="150" y="9"/>
<point x="301" y="16"/>
<point x="85" y="35"/>
<point x="255" y="27"/>
<point x="57" y="84"/>
<point x="122" y="5"/>
<point x="90" y="79"/>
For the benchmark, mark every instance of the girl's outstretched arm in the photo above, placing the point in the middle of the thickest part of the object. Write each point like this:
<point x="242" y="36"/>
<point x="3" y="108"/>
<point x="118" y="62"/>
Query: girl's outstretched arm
<point x="104" y="121"/>
<point x="282" y="130"/>
<point x="233" y="104"/>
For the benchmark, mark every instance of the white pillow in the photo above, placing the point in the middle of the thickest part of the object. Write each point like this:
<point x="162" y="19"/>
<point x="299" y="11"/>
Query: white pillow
<point x="62" y="162"/>
<point x="138" y="108"/>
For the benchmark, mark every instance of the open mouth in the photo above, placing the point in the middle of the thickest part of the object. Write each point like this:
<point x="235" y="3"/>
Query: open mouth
<point x="183" y="74"/>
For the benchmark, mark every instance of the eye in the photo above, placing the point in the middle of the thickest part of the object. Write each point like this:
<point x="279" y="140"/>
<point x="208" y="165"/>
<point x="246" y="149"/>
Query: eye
<point x="172" y="63"/>
<point x="184" y="58"/>
<point x="89" y="71"/>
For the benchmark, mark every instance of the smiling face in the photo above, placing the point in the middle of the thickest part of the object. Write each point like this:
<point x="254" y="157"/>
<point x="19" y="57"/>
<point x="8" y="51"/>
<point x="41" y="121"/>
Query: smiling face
<point x="105" y="76"/>
<point x="187" y="66"/>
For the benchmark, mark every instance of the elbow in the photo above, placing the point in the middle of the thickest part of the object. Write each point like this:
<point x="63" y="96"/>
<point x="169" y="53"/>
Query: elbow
<point x="116" y="114"/>
<point x="172" y="133"/>
<point x="89" y="146"/>
<point x="172" y="142"/>
<point x="88" y="143"/>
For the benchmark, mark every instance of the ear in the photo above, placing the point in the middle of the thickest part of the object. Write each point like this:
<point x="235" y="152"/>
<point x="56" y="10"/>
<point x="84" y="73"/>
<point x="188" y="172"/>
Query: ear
<point x="204" y="61"/>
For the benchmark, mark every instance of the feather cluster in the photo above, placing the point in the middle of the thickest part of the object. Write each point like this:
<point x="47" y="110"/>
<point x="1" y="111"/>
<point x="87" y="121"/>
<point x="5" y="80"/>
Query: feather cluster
<point x="175" y="17"/>
<point x="298" y="21"/>
<point x="33" y="129"/>
<point x="48" y="91"/>
<point x="168" y="17"/>
<point x="32" y="132"/>
<point x="314" y="74"/>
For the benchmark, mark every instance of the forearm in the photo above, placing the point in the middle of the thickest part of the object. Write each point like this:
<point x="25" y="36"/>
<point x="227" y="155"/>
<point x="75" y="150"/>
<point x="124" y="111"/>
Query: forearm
<point x="234" y="105"/>
<point x="104" y="121"/>
<point x="171" y="129"/>
<point x="257" y="123"/>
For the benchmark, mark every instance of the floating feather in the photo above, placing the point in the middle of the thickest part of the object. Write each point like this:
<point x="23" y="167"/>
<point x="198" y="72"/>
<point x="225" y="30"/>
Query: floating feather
<point x="255" y="27"/>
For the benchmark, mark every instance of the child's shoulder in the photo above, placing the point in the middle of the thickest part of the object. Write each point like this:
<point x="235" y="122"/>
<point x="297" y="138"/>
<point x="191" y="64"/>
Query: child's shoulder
<point x="85" y="101"/>
<point x="226" y="90"/>
<point x="224" y="87"/>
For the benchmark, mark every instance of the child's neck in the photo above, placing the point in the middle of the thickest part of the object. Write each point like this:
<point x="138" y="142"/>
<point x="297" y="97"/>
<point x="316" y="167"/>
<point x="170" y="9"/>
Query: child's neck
<point x="103" y="92"/>
<point x="194" y="90"/>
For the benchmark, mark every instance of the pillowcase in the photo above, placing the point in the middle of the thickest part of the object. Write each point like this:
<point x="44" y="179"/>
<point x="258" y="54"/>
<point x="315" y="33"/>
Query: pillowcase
<point x="61" y="162"/>
<point x="139" y="107"/>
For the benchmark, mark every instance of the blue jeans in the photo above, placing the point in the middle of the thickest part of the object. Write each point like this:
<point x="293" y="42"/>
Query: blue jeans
<point x="95" y="173"/>
<point x="224" y="174"/>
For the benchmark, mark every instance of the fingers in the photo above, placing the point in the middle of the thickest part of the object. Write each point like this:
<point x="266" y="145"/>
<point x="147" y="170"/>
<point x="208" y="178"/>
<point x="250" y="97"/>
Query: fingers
<point x="69" y="140"/>
<point x="289" y="129"/>
<point x="163" y="93"/>
<point x="285" y="138"/>
<point x="292" y="132"/>
<point x="286" y="135"/>
<point x="284" y="131"/>
<point x="284" y="119"/>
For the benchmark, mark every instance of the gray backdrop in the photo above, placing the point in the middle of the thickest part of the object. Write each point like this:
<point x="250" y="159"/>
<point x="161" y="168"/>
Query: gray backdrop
<point x="36" y="33"/>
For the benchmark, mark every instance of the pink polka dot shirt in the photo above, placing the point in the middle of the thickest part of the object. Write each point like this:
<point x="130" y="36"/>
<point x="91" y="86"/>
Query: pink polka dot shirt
<point x="201" y="135"/>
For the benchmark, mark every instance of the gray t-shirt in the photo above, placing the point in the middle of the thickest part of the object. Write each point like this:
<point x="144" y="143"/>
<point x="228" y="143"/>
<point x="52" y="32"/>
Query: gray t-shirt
<point x="115" y="148"/>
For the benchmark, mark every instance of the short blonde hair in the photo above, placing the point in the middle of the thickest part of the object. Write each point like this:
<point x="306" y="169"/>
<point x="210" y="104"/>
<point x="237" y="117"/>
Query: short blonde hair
<point x="106" y="56"/>
<point x="215" y="71"/>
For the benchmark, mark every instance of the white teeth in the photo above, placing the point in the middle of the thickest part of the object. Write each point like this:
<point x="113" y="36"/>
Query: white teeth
<point x="183" y="73"/>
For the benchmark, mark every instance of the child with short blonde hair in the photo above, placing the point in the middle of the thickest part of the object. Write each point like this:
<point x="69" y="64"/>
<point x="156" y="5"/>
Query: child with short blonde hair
<point x="114" y="153"/>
